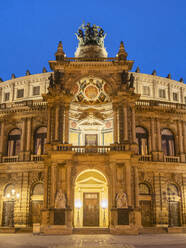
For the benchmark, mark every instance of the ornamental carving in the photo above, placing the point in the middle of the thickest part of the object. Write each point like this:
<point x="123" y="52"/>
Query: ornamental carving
<point x="91" y="90"/>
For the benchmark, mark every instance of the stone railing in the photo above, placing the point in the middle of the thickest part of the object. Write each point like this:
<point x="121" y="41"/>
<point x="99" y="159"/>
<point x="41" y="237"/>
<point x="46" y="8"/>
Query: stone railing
<point x="145" y="158"/>
<point x="10" y="159"/>
<point x="37" y="158"/>
<point x="91" y="149"/>
<point x="161" y="104"/>
<point x="171" y="159"/>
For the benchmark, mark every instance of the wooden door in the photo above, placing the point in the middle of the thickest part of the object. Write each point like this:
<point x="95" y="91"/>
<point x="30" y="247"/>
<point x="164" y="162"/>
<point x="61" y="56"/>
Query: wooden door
<point x="36" y="211"/>
<point x="91" y="209"/>
<point x="146" y="213"/>
<point x="91" y="140"/>
<point x="174" y="213"/>
<point x="8" y="213"/>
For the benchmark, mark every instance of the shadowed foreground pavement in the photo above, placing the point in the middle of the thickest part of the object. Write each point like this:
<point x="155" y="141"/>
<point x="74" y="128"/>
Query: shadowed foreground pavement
<point x="93" y="241"/>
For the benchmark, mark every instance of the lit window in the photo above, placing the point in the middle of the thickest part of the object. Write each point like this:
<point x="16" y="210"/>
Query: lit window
<point x="167" y="142"/>
<point x="20" y="93"/>
<point x="14" y="142"/>
<point x="36" y="90"/>
<point x="7" y="96"/>
<point x="146" y="90"/>
<point x="40" y="140"/>
<point x="175" y="96"/>
<point x="162" y="93"/>
<point x="142" y="140"/>
<point x="144" y="189"/>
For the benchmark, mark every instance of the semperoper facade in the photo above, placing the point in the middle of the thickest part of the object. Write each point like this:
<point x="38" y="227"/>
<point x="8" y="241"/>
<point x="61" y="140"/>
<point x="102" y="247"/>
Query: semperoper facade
<point x="92" y="146"/>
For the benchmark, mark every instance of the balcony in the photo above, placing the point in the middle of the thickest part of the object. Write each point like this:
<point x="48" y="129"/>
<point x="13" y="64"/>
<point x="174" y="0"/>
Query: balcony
<point x="91" y="149"/>
<point x="37" y="158"/>
<point x="10" y="159"/>
<point x="171" y="159"/>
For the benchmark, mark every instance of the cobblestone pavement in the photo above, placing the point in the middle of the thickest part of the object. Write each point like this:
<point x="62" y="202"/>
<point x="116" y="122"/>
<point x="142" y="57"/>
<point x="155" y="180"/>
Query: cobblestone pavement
<point x="93" y="241"/>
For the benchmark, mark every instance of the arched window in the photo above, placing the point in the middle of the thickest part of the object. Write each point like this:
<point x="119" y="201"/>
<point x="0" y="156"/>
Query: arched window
<point x="167" y="141"/>
<point x="173" y="205"/>
<point x="37" y="195"/>
<point x="40" y="140"/>
<point x="145" y="200"/>
<point x="144" y="189"/>
<point x="172" y="190"/>
<point x="142" y="140"/>
<point x="8" y="206"/>
<point x="38" y="189"/>
<point x="14" y="142"/>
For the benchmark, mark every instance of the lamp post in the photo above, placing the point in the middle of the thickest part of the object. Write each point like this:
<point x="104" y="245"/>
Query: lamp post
<point x="104" y="205"/>
<point x="78" y="205"/>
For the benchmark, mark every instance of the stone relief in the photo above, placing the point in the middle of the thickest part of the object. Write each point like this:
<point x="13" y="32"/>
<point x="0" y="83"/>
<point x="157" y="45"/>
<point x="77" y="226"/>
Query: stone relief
<point x="121" y="200"/>
<point x="60" y="200"/>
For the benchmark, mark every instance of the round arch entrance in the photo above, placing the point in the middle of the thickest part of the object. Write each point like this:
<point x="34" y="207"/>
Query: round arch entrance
<point x="91" y="199"/>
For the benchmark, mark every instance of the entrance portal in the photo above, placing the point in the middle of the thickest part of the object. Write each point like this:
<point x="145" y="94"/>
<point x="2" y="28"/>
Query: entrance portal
<point x="91" y="200"/>
<point x="91" y="209"/>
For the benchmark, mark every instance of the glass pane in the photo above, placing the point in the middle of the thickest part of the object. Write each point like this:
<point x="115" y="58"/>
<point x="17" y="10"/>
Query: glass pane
<point x="17" y="147"/>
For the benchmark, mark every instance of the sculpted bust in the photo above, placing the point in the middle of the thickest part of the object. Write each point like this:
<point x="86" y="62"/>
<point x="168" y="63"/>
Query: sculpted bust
<point x="121" y="200"/>
<point x="60" y="200"/>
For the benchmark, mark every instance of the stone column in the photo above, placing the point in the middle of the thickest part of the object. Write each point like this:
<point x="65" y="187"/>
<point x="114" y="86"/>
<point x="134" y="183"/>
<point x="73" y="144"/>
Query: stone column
<point x="153" y="144"/>
<point x="53" y="184"/>
<point x="57" y="123"/>
<point x="62" y="124"/>
<point x="23" y="135"/>
<point x="1" y="139"/>
<point x="159" y="149"/>
<point x="115" y="122"/>
<point x="158" y="135"/>
<point x="28" y="139"/>
<point x="157" y="198"/>
<point x="113" y="188"/>
<point x="128" y="182"/>
<point x="136" y="176"/>
<point x="66" y="124"/>
<point x="125" y="123"/>
<point x="69" y="186"/>
<point x="133" y="126"/>
<point x="46" y="183"/>
<point x="49" y="125"/>
<point x="180" y="140"/>
<point x="184" y="136"/>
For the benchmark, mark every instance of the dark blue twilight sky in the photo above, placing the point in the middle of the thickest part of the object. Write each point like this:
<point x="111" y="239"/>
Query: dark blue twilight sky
<point x="153" y="31"/>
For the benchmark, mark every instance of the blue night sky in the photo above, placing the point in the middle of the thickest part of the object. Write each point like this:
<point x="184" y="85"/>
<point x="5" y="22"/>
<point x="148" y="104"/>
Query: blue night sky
<point x="154" y="32"/>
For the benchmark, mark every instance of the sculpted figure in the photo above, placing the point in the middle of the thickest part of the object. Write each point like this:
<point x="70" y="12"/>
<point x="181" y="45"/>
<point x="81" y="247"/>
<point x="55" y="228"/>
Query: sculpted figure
<point x="124" y="77"/>
<point x="121" y="200"/>
<point x="131" y="85"/>
<point x="60" y="201"/>
<point x="51" y="80"/>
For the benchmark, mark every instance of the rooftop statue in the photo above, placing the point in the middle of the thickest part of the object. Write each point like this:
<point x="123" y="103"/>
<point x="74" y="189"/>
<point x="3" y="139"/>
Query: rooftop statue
<point x="90" y="35"/>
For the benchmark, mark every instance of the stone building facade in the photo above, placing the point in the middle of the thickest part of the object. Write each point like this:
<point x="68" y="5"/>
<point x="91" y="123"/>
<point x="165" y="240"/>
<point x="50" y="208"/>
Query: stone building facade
<point x="92" y="144"/>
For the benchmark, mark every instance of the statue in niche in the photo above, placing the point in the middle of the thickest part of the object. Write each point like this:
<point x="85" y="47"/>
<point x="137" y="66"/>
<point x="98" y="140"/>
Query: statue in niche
<point x="131" y="85"/>
<point x="121" y="200"/>
<point x="60" y="200"/>
<point x="124" y="77"/>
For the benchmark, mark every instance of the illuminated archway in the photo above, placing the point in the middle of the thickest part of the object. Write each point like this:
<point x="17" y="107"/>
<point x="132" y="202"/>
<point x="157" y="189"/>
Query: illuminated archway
<point x="91" y="199"/>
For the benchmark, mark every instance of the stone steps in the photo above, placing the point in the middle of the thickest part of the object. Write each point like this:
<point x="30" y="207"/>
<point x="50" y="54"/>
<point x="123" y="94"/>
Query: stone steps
<point x="147" y="230"/>
<point x="91" y="230"/>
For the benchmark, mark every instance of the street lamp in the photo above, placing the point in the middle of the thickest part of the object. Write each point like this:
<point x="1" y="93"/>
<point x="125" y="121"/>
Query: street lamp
<point x="12" y="195"/>
<point x="78" y="205"/>
<point x="104" y="205"/>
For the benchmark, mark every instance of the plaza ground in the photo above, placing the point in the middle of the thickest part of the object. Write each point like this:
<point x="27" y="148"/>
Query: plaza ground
<point x="28" y="240"/>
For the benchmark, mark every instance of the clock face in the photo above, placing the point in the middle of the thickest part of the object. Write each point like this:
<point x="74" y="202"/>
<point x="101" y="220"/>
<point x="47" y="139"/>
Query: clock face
<point x="91" y="90"/>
